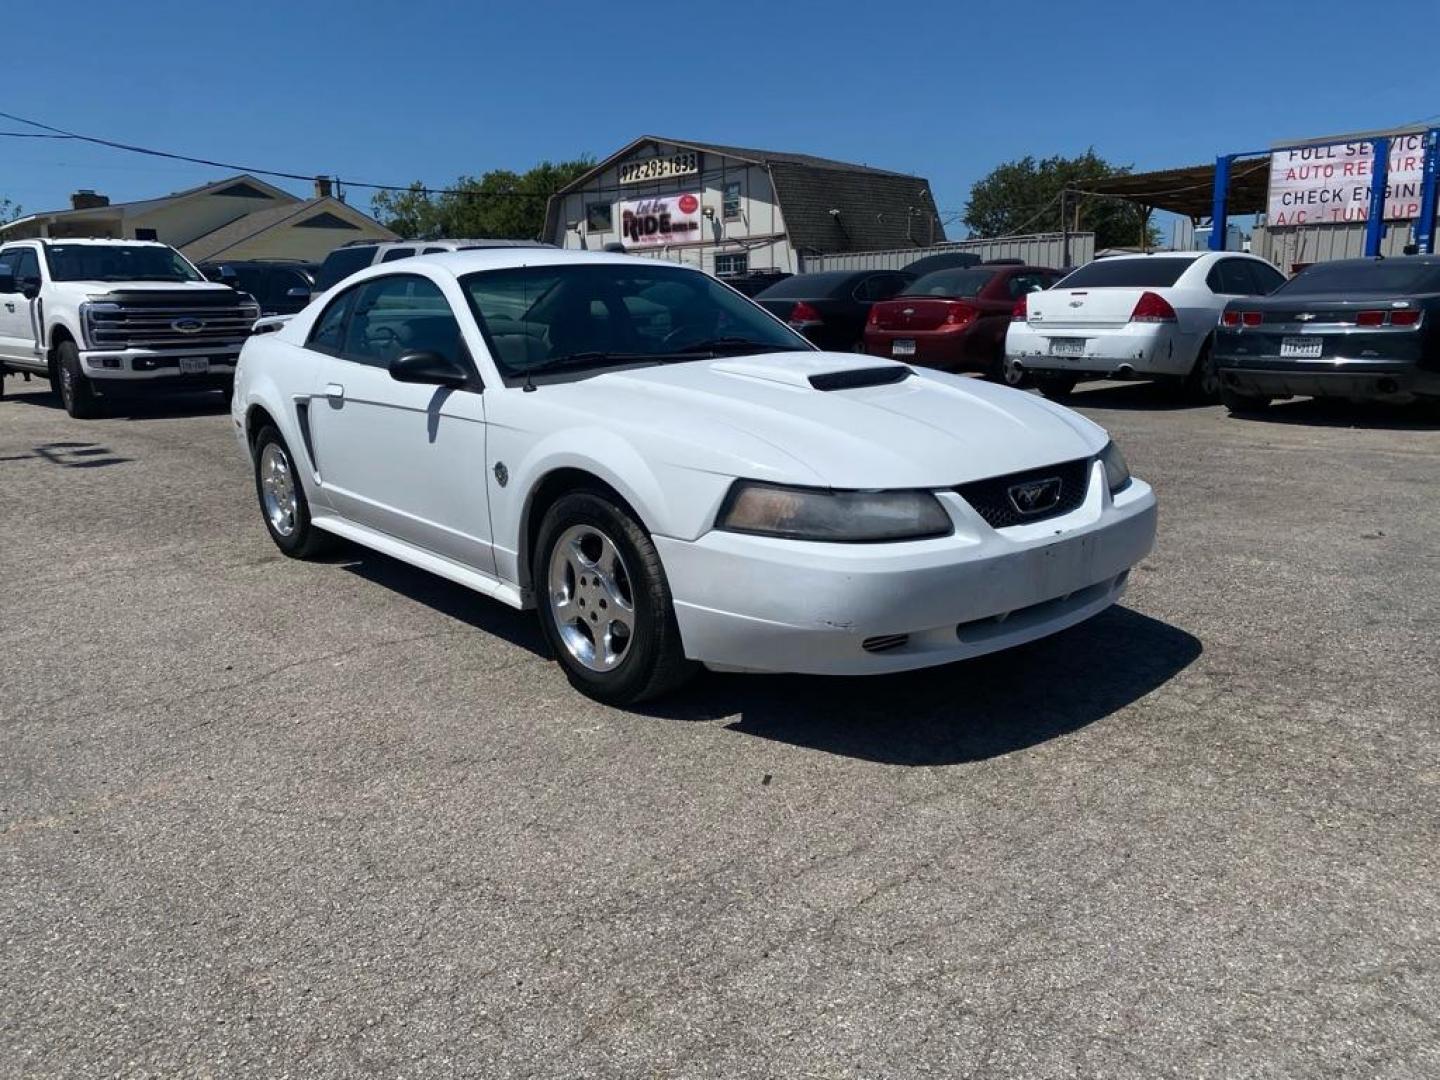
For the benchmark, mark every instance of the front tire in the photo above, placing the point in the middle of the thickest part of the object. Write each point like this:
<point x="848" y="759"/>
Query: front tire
<point x="604" y="603"/>
<point x="77" y="393"/>
<point x="282" y="499"/>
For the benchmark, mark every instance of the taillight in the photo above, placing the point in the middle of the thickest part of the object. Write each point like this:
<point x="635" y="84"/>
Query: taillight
<point x="1230" y="318"/>
<point x="1021" y="311"/>
<point x="1253" y="318"/>
<point x="959" y="315"/>
<point x="1404" y="318"/>
<point x="803" y="314"/>
<point x="873" y="319"/>
<point x="1152" y="307"/>
<point x="1370" y="318"/>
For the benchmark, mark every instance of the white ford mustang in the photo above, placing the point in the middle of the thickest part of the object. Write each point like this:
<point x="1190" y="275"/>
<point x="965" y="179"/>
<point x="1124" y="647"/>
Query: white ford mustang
<point x="673" y="477"/>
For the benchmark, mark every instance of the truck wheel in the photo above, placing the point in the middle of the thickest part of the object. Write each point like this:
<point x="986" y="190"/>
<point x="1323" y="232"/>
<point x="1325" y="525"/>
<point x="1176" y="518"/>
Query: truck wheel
<point x="604" y="602"/>
<point x="282" y="499"/>
<point x="77" y="393"/>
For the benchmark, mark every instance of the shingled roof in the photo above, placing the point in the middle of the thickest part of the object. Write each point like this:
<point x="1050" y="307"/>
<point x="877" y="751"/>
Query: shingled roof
<point x="878" y="209"/>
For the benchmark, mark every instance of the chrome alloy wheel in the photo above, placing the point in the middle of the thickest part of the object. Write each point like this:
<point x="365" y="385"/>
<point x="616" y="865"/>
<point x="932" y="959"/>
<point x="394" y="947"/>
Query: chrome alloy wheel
<point x="590" y="598"/>
<point x="277" y="489"/>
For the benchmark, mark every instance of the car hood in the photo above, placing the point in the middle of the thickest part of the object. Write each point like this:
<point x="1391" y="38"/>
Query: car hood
<point x="771" y="416"/>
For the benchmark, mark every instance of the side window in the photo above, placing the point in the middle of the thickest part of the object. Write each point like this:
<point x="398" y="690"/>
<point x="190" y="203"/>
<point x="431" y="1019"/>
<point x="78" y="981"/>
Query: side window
<point x="1267" y="278"/>
<point x="1230" y="277"/>
<point x="328" y="333"/>
<point x="9" y="260"/>
<point x="1024" y="284"/>
<point x="880" y="287"/>
<point x="397" y="253"/>
<point x="27" y="267"/>
<point x="401" y="314"/>
<point x="341" y="263"/>
<point x="433" y="251"/>
<point x="730" y="201"/>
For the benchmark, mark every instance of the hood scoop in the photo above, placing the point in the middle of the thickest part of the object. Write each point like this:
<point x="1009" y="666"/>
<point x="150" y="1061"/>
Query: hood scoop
<point x="815" y="371"/>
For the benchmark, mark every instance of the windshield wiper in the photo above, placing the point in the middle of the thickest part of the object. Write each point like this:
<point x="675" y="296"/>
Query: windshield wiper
<point x="581" y="360"/>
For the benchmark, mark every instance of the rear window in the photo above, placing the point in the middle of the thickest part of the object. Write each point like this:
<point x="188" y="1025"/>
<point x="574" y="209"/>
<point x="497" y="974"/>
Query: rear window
<point x="340" y="264"/>
<point x="1391" y="277"/>
<point x="967" y="283"/>
<point x="807" y="285"/>
<point x="1151" y="273"/>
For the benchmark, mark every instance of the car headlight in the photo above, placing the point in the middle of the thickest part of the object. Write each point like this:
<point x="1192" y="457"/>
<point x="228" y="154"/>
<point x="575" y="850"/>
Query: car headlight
<point x="1117" y="473"/>
<point x="821" y="514"/>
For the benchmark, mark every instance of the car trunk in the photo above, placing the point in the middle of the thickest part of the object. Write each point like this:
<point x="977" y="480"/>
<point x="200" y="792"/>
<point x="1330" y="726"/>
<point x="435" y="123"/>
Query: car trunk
<point x="906" y="313"/>
<point x="1093" y="307"/>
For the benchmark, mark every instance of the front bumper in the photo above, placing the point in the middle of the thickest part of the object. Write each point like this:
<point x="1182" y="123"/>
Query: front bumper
<point x="1107" y="351"/>
<point x="764" y="604"/>
<point x="1328" y="377"/>
<point x="138" y="368"/>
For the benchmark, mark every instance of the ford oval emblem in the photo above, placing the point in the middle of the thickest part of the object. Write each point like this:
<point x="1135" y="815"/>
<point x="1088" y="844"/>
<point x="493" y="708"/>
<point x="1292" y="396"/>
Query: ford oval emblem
<point x="187" y="325"/>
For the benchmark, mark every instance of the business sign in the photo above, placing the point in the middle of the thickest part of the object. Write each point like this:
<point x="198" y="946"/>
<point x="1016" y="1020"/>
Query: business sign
<point x="685" y="163"/>
<point x="666" y="219"/>
<point x="1323" y="185"/>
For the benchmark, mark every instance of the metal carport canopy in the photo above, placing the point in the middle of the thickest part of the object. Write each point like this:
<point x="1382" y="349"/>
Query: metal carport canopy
<point x="1189" y="190"/>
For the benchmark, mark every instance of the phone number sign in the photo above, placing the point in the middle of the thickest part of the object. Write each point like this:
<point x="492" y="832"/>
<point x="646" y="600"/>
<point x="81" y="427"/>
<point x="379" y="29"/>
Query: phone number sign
<point x="686" y="163"/>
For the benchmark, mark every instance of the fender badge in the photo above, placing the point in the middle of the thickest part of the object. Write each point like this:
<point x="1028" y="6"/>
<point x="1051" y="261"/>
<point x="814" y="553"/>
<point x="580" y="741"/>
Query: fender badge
<point x="502" y="474"/>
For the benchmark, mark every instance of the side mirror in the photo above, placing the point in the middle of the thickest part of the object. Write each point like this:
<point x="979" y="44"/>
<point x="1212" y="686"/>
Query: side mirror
<point x="299" y="292"/>
<point x="7" y="283"/>
<point x="30" y="288"/>
<point x="430" y="368"/>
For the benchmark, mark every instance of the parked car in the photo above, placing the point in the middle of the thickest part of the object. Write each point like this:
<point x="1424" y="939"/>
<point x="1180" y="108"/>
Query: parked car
<point x="102" y="319"/>
<point x="954" y="320"/>
<point x="358" y="254"/>
<point x="673" y="477"/>
<point x="830" y="308"/>
<point x="280" y="287"/>
<point x="1356" y="328"/>
<point x="753" y="282"/>
<point x="944" y="260"/>
<point x="1133" y="316"/>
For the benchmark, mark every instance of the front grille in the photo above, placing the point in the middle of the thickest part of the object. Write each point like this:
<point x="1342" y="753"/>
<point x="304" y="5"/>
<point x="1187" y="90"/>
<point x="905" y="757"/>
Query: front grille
<point x="168" y="320"/>
<point x="991" y="498"/>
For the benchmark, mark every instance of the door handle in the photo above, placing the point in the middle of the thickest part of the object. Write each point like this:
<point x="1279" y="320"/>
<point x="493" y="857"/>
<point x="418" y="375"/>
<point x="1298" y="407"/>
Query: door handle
<point x="334" y="391"/>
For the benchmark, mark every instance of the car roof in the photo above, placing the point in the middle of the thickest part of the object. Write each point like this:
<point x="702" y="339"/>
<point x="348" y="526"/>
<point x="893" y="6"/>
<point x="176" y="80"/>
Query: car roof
<point x="471" y="260"/>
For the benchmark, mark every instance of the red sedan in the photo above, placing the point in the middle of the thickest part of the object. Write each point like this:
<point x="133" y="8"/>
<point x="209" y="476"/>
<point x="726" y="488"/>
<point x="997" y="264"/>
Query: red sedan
<point x="955" y="319"/>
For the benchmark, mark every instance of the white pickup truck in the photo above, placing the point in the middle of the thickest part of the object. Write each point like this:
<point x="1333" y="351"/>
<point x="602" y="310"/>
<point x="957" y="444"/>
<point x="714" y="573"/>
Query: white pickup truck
<point x="105" y="318"/>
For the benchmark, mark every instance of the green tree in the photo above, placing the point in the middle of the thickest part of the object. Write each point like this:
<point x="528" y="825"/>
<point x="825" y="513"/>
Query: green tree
<point x="9" y="211"/>
<point x="1024" y="196"/>
<point x="501" y="204"/>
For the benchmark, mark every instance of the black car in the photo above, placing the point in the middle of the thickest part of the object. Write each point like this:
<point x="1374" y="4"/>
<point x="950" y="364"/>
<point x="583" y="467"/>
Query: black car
<point x="279" y="287"/>
<point x="754" y="282"/>
<point x="830" y="308"/>
<point x="1356" y="328"/>
<point x="945" y="260"/>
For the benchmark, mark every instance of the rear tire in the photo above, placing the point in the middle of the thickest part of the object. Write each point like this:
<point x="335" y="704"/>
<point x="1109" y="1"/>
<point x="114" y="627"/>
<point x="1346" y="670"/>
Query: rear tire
<point x="604" y="603"/>
<point x="1011" y="375"/>
<point x="1202" y="384"/>
<point x="77" y="393"/>
<point x="1241" y="404"/>
<point x="1056" y="387"/>
<point x="283" y="505"/>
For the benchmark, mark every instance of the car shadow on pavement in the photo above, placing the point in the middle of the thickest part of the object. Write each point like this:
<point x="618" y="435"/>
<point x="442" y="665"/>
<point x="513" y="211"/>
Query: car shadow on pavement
<point x="167" y="407"/>
<point x="1337" y="412"/>
<point x="519" y="628"/>
<point x="962" y="712"/>
<point x="1129" y="396"/>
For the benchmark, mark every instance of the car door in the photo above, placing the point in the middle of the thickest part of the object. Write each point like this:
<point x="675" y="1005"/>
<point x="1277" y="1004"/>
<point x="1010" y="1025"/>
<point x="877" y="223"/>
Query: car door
<point x="404" y="459"/>
<point x="19" y="314"/>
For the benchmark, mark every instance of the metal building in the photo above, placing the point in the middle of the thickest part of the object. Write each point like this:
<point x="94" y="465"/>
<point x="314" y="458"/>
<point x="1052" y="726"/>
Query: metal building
<point x="731" y="210"/>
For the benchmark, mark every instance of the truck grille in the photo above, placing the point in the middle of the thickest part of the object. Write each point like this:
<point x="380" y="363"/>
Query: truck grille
<point x="161" y="320"/>
<point x="992" y="498"/>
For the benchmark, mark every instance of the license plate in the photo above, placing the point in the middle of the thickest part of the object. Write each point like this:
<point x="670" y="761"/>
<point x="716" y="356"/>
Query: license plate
<point x="1067" y="346"/>
<point x="194" y="365"/>
<point x="1302" y="348"/>
<point x="903" y="347"/>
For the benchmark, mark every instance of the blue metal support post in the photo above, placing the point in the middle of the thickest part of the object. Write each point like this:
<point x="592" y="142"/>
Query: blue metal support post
<point x="1425" y="224"/>
<point x="1217" y="203"/>
<point x="1379" y="176"/>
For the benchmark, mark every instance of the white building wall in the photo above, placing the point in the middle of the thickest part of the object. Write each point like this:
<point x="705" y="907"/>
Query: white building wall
<point x="758" y="231"/>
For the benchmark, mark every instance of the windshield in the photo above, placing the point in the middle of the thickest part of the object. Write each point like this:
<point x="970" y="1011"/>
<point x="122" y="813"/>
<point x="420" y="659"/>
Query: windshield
<point x="950" y="283"/>
<point x="613" y="314"/>
<point x="117" y="262"/>
<point x="1148" y="273"/>
<point x="1391" y="278"/>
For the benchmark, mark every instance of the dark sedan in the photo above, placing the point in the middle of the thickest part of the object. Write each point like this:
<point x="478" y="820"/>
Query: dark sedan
<point x="281" y="287"/>
<point x="830" y="308"/>
<point x="1356" y="328"/>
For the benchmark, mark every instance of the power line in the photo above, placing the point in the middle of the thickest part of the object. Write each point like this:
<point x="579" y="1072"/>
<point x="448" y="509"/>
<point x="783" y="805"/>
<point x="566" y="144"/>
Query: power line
<point x="61" y="133"/>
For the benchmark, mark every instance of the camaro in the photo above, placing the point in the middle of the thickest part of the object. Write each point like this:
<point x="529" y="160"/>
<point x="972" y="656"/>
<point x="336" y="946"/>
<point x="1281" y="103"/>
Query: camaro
<point x="673" y="477"/>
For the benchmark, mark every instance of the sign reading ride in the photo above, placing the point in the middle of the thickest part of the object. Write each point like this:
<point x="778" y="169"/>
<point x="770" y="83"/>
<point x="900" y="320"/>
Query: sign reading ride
<point x="667" y="219"/>
<point x="1321" y="185"/>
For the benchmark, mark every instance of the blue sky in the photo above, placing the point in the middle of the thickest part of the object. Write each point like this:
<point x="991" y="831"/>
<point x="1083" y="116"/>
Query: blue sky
<point x="393" y="92"/>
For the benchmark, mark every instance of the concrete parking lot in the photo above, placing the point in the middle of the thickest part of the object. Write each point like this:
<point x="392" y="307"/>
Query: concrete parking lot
<point x="268" y="818"/>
